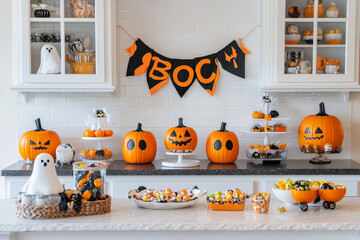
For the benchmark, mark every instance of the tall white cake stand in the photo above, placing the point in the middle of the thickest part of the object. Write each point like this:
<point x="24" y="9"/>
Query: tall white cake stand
<point x="180" y="163"/>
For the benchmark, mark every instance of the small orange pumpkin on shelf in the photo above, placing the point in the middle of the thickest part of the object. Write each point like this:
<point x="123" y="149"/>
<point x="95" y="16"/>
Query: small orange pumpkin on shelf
<point x="268" y="117"/>
<point x="109" y="133"/>
<point x="99" y="133"/>
<point x="309" y="10"/>
<point x="37" y="141"/>
<point x="258" y="115"/>
<point x="222" y="146"/>
<point x="139" y="146"/>
<point x="180" y="137"/>
<point x="320" y="129"/>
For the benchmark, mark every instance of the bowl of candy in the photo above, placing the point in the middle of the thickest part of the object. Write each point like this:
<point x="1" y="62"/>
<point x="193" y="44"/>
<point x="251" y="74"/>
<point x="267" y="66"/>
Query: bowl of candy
<point x="165" y="199"/>
<point x="282" y="191"/>
<point x="230" y="200"/>
<point x="304" y="194"/>
<point x="331" y="194"/>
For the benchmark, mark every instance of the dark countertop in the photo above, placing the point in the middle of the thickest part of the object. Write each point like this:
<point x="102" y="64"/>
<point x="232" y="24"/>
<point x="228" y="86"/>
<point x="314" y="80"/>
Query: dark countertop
<point x="240" y="167"/>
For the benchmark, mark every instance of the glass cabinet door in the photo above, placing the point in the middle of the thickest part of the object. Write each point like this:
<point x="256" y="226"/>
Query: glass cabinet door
<point x="64" y="41"/>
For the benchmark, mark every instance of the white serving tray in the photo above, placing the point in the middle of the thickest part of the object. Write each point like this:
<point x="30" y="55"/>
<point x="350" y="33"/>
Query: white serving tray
<point x="168" y="205"/>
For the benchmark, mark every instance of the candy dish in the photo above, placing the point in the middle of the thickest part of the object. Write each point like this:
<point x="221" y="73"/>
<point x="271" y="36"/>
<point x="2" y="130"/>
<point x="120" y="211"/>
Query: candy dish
<point x="332" y="196"/>
<point x="137" y="197"/>
<point x="292" y="39"/>
<point x="333" y="38"/>
<point x="228" y="201"/>
<point x="304" y="197"/>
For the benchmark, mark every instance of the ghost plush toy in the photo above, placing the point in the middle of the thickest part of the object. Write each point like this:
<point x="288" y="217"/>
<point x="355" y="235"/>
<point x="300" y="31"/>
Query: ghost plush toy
<point x="43" y="180"/>
<point x="50" y="60"/>
<point x="64" y="154"/>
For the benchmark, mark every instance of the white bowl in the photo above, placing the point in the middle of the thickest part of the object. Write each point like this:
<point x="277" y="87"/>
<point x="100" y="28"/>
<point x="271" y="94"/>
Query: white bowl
<point x="292" y="38"/>
<point x="284" y="196"/>
<point x="333" y="38"/>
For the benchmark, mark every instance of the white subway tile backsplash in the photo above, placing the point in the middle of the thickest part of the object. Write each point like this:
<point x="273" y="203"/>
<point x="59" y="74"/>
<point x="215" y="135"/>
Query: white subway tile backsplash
<point x="182" y="29"/>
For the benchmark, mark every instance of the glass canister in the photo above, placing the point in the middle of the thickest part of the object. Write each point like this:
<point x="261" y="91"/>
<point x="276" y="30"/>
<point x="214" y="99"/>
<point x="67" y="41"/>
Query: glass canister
<point x="89" y="179"/>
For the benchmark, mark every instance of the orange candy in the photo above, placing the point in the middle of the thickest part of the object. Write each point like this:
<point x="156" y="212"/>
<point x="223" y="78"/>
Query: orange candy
<point x="92" y="153"/>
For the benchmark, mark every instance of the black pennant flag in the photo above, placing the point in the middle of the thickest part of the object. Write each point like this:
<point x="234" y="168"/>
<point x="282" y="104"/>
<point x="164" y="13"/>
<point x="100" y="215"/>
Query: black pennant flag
<point x="140" y="56"/>
<point x="182" y="75"/>
<point x="157" y="74"/>
<point x="232" y="59"/>
<point x="207" y="72"/>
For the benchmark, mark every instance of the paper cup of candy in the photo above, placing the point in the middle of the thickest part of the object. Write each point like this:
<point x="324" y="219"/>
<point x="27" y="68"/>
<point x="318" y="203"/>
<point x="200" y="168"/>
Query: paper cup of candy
<point x="261" y="202"/>
<point x="293" y="39"/>
<point x="333" y="38"/>
<point x="90" y="179"/>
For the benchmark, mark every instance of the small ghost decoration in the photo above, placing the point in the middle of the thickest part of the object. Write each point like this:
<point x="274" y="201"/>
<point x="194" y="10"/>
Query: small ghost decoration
<point x="64" y="154"/>
<point x="50" y="60"/>
<point x="43" y="180"/>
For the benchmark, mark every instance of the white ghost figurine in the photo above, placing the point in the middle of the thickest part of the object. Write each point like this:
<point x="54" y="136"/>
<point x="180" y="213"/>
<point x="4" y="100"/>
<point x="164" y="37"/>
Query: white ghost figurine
<point x="50" y="60"/>
<point x="43" y="180"/>
<point x="64" y="154"/>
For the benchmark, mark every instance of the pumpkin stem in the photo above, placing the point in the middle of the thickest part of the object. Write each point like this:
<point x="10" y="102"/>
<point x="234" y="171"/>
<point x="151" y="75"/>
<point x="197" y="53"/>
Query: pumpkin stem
<point x="138" y="129"/>
<point x="181" y="124"/>
<point x="322" y="110"/>
<point x="222" y="128"/>
<point x="38" y="125"/>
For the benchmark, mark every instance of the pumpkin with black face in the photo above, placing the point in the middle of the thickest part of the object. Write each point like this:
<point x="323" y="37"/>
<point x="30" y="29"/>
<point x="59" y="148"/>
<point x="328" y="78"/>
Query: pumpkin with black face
<point x="222" y="146"/>
<point x="37" y="141"/>
<point x="320" y="129"/>
<point x="180" y="137"/>
<point x="139" y="146"/>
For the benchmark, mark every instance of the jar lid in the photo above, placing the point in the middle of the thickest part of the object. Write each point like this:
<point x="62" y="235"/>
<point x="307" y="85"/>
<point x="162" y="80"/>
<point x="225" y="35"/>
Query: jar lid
<point x="89" y="166"/>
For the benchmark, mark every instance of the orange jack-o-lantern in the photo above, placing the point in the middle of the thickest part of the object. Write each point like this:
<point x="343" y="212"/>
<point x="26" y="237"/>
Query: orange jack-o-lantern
<point x="222" y="146"/>
<point x="180" y="138"/>
<point x="320" y="129"/>
<point x="139" y="146"/>
<point x="37" y="141"/>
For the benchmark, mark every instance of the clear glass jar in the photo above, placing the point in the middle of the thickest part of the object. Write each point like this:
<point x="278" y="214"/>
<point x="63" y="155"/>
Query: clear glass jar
<point x="90" y="178"/>
<point x="54" y="199"/>
<point x="42" y="200"/>
<point x="27" y="199"/>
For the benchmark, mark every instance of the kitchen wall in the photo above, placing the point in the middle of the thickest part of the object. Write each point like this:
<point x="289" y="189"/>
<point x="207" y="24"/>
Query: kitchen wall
<point x="183" y="29"/>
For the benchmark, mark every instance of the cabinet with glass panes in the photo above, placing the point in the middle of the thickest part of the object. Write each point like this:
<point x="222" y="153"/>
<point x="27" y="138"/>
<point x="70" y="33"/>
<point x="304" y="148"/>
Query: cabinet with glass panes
<point x="315" y="45"/>
<point x="63" y="45"/>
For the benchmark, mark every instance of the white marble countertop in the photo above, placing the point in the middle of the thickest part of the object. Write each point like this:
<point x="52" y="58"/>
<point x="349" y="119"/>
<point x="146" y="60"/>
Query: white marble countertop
<point x="126" y="216"/>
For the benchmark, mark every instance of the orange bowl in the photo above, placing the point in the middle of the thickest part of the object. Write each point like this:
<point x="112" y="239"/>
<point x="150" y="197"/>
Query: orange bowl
<point x="304" y="196"/>
<point x="332" y="195"/>
<point x="227" y="206"/>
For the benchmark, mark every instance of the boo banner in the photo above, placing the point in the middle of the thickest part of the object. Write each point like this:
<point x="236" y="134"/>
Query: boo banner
<point x="183" y="72"/>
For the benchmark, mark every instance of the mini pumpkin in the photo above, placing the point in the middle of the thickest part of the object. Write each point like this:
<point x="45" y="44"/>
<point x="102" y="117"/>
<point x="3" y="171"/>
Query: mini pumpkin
<point x="139" y="146"/>
<point x="257" y="114"/>
<point x="37" y="141"/>
<point x="180" y="138"/>
<point x="294" y="12"/>
<point x="268" y="117"/>
<point x="320" y="129"/>
<point x="222" y="146"/>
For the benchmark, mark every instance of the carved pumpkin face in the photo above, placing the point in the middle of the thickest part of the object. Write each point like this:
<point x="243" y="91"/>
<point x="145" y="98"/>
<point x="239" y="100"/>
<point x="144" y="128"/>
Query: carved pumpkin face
<point x="180" y="138"/>
<point x="139" y="146"/>
<point x="222" y="146"/>
<point x="317" y="130"/>
<point x="32" y="143"/>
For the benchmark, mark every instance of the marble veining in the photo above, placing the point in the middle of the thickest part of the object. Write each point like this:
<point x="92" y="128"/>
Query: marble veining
<point x="125" y="216"/>
<point x="240" y="167"/>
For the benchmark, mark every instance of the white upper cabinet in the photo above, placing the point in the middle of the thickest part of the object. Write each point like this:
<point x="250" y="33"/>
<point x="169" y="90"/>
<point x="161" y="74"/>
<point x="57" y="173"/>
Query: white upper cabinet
<point x="294" y="61"/>
<point x="81" y="55"/>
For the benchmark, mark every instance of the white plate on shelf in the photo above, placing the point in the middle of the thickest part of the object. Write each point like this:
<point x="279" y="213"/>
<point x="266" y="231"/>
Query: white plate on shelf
<point x="97" y="138"/>
<point x="168" y="205"/>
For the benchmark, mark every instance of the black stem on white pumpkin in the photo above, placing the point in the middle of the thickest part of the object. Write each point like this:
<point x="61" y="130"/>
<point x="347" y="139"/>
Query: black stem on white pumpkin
<point x="322" y="110"/>
<point x="38" y="125"/>
<point x="181" y="123"/>
<point x="223" y="127"/>
<point x="138" y="129"/>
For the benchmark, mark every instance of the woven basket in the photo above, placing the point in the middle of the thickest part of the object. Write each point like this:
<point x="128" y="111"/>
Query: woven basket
<point x="53" y="211"/>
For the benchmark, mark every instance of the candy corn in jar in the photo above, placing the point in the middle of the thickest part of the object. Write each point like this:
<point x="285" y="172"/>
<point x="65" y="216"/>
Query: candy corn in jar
<point x="261" y="202"/>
